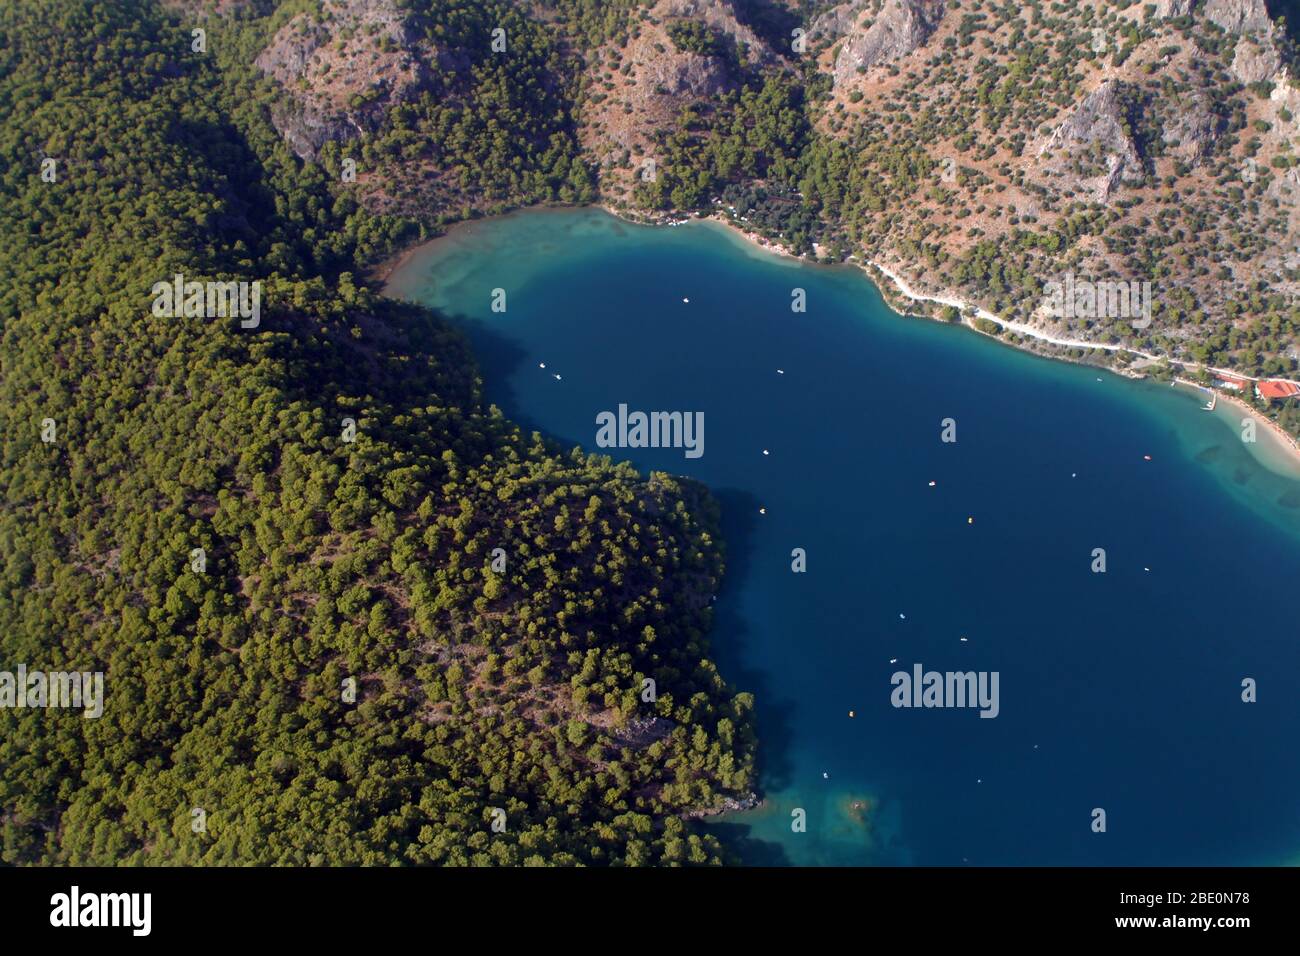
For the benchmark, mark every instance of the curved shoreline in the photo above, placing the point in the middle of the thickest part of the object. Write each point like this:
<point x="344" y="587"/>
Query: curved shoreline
<point x="1166" y="512"/>
<point x="1285" y="440"/>
<point x="897" y="285"/>
<point x="970" y="313"/>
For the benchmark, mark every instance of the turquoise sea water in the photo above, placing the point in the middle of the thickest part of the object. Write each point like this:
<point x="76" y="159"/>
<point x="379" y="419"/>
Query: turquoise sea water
<point x="1118" y="691"/>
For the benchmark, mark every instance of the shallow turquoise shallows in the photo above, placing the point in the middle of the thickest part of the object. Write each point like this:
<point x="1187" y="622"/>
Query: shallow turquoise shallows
<point x="1118" y="691"/>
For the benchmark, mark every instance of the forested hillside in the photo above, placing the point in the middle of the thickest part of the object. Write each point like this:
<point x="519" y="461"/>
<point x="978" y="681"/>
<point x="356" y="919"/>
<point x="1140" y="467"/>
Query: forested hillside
<point x="347" y="488"/>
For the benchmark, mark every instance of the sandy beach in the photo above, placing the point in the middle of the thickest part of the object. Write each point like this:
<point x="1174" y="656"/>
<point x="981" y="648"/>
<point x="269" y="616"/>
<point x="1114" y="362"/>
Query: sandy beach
<point x="380" y="273"/>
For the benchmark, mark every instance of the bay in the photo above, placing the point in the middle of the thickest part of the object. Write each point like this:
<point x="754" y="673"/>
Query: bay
<point x="1118" y="691"/>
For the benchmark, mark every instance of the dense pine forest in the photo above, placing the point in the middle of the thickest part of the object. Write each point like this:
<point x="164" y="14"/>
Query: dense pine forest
<point x="346" y="612"/>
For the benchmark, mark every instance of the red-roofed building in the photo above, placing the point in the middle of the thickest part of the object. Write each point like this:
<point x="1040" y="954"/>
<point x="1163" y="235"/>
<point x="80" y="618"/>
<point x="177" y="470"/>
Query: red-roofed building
<point x="1228" y="381"/>
<point x="1277" y="391"/>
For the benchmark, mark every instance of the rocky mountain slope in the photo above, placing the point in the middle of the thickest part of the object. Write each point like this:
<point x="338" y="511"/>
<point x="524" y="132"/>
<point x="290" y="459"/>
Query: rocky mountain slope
<point x="979" y="149"/>
<point x="342" y="68"/>
<point x="639" y="86"/>
<point x="876" y="32"/>
<point x="1090" y="138"/>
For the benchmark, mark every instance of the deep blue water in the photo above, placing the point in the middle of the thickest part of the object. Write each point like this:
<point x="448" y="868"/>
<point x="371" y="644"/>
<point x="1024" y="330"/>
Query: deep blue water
<point x="1284" y="8"/>
<point x="1118" y="691"/>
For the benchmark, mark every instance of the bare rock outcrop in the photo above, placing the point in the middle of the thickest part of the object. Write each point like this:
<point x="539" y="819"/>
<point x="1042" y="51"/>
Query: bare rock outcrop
<point x="1173" y="8"/>
<point x="640" y="732"/>
<point x="1094" y="146"/>
<point x="720" y="17"/>
<point x="888" y="32"/>
<point x="746" y="801"/>
<point x="837" y="21"/>
<point x="1193" y="128"/>
<point x="1239" y="16"/>
<point x="660" y="69"/>
<point x="643" y="87"/>
<point x="1256" y="59"/>
<point x="340" y="73"/>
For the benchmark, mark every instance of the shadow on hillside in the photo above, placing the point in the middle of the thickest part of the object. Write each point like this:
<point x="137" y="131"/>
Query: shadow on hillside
<point x="730" y="634"/>
<point x="770" y="20"/>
